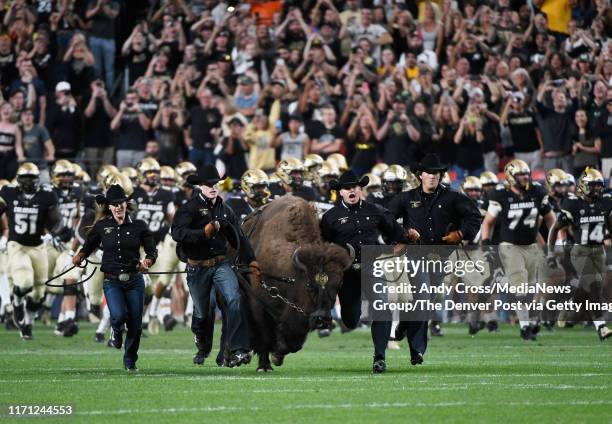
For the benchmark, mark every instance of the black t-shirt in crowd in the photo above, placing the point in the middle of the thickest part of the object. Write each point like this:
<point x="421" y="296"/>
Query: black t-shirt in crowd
<point x="317" y="130"/>
<point x="522" y="127"/>
<point x="131" y="135"/>
<point x="97" y="127"/>
<point x="469" y="152"/>
<point x="202" y="120"/>
<point x="64" y="124"/>
<point x="137" y="63"/>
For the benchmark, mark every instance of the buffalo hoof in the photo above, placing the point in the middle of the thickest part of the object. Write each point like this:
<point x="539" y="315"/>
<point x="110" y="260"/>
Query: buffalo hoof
<point x="265" y="368"/>
<point x="277" y="359"/>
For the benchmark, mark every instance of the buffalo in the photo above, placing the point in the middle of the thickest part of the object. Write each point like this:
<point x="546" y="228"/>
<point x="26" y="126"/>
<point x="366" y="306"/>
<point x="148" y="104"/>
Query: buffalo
<point x="301" y="276"/>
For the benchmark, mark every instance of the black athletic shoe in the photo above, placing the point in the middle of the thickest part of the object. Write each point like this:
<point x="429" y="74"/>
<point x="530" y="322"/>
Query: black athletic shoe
<point x="526" y="334"/>
<point x="169" y="323"/>
<point x="535" y="329"/>
<point x="379" y="366"/>
<point x="9" y="324"/>
<point x="116" y="339"/>
<point x="99" y="338"/>
<point x="70" y="328"/>
<point x="549" y="325"/>
<point x="435" y="329"/>
<point x="239" y="358"/>
<point x="26" y="332"/>
<point x="59" y="328"/>
<point x="475" y="326"/>
<point x="492" y="326"/>
<point x="416" y="359"/>
<point x="604" y="332"/>
<point x="19" y="315"/>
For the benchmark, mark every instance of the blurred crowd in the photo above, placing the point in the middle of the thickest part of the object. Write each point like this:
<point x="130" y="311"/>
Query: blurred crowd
<point x="244" y="85"/>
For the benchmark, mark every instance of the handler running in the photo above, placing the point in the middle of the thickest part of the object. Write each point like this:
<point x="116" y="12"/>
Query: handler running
<point x="356" y="222"/>
<point x="121" y="238"/>
<point x="202" y="228"/>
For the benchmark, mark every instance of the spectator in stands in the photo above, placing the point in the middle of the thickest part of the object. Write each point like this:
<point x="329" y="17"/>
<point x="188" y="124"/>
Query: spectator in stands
<point x="201" y="127"/>
<point x="131" y="125"/>
<point x="64" y="122"/>
<point x="101" y="15"/>
<point x="11" y="144"/>
<point x="37" y="144"/>
<point x="97" y="140"/>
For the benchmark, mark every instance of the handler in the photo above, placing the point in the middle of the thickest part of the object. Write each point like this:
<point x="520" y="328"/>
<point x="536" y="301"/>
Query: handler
<point x="202" y="227"/>
<point x="432" y="214"/>
<point x="356" y="222"/>
<point x="121" y="238"/>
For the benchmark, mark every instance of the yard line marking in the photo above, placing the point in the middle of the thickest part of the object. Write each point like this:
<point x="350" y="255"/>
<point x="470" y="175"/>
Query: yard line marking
<point x="223" y="408"/>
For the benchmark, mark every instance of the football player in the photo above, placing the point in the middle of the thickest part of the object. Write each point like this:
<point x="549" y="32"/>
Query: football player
<point x="291" y="173"/>
<point x="517" y="207"/>
<point x="69" y="195"/>
<point x="393" y="181"/>
<point x="31" y="210"/>
<point x="588" y="214"/>
<point x="255" y="193"/>
<point x="155" y="206"/>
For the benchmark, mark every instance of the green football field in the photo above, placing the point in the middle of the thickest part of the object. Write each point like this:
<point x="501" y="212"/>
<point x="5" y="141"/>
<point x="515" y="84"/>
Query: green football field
<point x="566" y="376"/>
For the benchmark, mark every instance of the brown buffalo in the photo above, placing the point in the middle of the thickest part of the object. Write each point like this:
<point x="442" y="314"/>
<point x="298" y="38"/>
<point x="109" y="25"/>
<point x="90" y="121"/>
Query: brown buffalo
<point x="287" y="242"/>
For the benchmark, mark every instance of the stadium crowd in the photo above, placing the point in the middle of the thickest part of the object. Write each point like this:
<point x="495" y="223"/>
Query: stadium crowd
<point x="250" y="83"/>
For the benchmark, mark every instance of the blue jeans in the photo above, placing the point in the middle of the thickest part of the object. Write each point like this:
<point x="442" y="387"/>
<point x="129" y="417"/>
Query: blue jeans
<point x="222" y="277"/>
<point x="201" y="157"/>
<point x="103" y="50"/>
<point x="125" y="302"/>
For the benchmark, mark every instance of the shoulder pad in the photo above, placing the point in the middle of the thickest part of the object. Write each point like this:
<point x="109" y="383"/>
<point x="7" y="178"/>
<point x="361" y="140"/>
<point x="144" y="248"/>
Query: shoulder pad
<point x="572" y="196"/>
<point x="606" y="196"/>
<point x="46" y="187"/>
<point x="378" y="194"/>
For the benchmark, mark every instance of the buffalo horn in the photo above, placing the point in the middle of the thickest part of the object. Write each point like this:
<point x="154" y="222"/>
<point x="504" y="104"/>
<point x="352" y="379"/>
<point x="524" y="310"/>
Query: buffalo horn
<point x="296" y="261"/>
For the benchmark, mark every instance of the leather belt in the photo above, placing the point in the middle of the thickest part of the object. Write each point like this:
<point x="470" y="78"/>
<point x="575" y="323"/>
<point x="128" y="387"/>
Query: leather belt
<point x="124" y="276"/>
<point x="205" y="263"/>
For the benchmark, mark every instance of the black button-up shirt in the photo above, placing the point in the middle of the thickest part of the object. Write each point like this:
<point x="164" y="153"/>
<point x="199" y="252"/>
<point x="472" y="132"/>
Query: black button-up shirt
<point x="120" y="244"/>
<point x="188" y="230"/>
<point x="360" y="224"/>
<point x="433" y="215"/>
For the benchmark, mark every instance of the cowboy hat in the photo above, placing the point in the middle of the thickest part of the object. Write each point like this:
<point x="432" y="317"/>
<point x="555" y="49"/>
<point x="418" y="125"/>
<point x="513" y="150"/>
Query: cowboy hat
<point x="431" y="164"/>
<point x="115" y="194"/>
<point x="347" y="180"/>
<point x="207" y="175"/>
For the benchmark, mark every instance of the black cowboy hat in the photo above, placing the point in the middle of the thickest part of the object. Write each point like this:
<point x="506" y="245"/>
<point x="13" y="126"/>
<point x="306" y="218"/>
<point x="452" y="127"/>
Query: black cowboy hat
<point x="207" y="175"/>
<point x="115" y="194"/>
<point x="347" y="180"/>
<point x="431" y="164"/>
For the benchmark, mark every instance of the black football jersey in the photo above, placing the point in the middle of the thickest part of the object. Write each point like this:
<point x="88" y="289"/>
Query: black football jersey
<point x="69" y="204"/>
<point x="28" y="215"/>
<point x="588" y="221"/>
<point x="239" y="205"/>
<point x="379" y="198"/>
<point x="152" y="209"/>
<point x="518" y="214"/>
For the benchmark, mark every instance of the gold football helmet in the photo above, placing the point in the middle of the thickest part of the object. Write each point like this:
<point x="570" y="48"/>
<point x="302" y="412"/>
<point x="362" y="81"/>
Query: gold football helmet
<point x="62" y="168"/>
<point x="119" y="179"/>
<point x="148" y="172"/>
<point x="183" y="170"/>
<point x="27" y="178"/>
<point x="517" y="167"/>
<point x="488" y="178"/>
<point x="104" y="171"/>
<point x="254" y="183"/>
<point x="167" y="174"/>
<point x="286" y="169"/>
<point x="471" y="183"/>
<point x="338" y="160"/>
<point x="131" y="173"/>
<point x="555" y="176"/>
<point x="590" y="182"/>
<point x="374" y="183"/>
<point x="393" y="179"/>
<point x="379" y="169"/>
